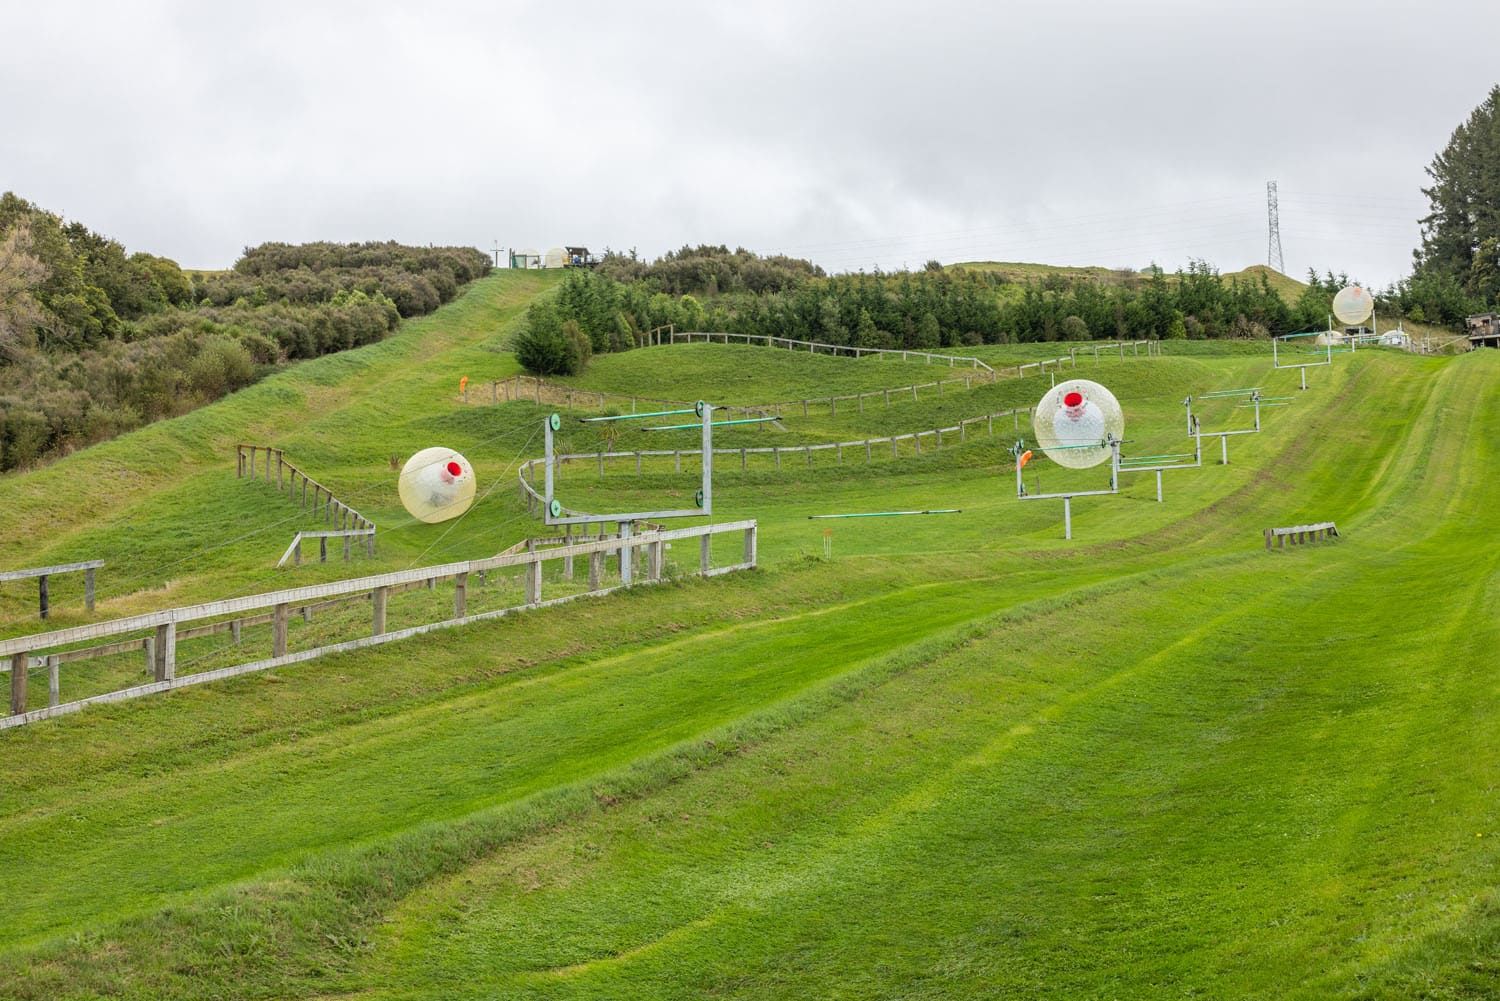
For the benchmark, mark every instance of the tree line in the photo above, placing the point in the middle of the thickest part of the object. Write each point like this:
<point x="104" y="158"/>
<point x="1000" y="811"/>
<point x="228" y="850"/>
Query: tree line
<point x="710" y="288"/>
<point x="95" y="341"/>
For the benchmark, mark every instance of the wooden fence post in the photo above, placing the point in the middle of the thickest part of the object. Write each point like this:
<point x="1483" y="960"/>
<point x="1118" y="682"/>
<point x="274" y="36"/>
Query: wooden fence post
<point x="322" y="549"/>
<point x="460" y="595"/>
<point x="278" y="630"/>
<point x="166" y="651"/>
<point x="534" y="582"/>
<point x="1268" y="540"/>
<point x="18" y="666"/>
<point x="41" y="595"/>
<point x="54" y="682"/>
<point x="378" y="601"/>
<point x="705" y="551"/>
<point x="750" y="545"/>
<point x="596" y="569"/>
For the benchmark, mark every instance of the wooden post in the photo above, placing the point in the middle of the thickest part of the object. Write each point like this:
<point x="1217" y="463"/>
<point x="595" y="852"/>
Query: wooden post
<point x="534" y="582"/>
<point x="653" y="561"/>
<point x="568" y="560"/>
<point x="54" y="682"/>
<point x="596" y="569"/>
<point x="166" y="649"/>
<point x="705" y="551"/>
<point x="460" y="595"/>
<point x="18" y="664"/>
<point x="234" y="631"/>
<point x="278" y="630"/>
<point x="41" y="590"/>
<point x="148" y="647"/>
<point x="378" y="600"/>
<point x="322" y="549"/>
<point x="750" y="545"/>
<point x="297" y="551"/>
<point x="346" y="549"/>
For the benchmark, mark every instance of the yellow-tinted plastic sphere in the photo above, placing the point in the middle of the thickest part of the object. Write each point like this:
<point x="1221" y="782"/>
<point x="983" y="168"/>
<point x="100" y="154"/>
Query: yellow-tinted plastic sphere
<point x="436" y="484"/>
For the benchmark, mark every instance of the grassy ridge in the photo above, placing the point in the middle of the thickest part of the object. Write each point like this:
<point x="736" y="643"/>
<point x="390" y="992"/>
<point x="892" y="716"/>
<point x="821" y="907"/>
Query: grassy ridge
<point x="962" y="758"/>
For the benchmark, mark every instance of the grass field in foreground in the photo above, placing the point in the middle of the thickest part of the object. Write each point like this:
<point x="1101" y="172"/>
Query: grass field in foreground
<point x="960" y="758"/>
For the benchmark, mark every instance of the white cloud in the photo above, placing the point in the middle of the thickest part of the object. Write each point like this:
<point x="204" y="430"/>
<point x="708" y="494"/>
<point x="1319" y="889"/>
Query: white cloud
<point x="859" y="134"/>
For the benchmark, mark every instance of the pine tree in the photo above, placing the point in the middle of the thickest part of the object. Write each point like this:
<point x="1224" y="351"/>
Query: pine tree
<point x="1464" y="202"/>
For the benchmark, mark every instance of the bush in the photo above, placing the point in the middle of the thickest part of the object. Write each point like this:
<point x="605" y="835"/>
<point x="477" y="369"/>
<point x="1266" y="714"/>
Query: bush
<point x="543" y="348"/>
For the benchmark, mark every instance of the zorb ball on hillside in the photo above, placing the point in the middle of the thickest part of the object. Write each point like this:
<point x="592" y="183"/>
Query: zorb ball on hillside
<point x="1074" y="422"/>
<point x="1353" y="305"/>
<point x="436" y="484"/>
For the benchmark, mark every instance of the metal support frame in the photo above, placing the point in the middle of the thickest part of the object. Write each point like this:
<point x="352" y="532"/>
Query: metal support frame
<point x="1303" y="367"/>
<point x="553" y="513"/>
<point x="1067" y="496"/>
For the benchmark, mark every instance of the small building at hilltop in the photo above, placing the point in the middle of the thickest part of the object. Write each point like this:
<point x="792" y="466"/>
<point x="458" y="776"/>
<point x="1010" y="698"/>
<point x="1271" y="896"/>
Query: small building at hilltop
<point x="1484" y="330"/>
<point x="557" y="257"/>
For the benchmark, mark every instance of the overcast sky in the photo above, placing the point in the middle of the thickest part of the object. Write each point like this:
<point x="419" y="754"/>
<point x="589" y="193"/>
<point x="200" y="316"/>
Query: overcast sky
<point x="860" y="135"/>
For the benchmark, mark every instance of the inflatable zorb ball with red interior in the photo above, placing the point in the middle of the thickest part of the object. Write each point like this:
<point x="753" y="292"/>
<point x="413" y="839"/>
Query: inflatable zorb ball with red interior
<point x="1074" y="422"/>
<point x="436" y="484"/>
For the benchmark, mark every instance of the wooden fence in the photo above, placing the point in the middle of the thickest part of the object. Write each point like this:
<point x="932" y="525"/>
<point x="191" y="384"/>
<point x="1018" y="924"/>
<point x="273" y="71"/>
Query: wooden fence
<point x="334" y="511"/>
<point x="294" y="551"/>
<point x="1300" y="534"/>
<point x="41" y="575"/>
<point x="818" y="347"/>
<point x="531" y="389"/>
<point x="167" y="626"/>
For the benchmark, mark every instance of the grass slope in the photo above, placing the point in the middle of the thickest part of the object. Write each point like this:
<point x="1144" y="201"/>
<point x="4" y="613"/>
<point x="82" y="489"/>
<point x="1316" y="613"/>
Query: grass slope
<point x="962" y="758"/>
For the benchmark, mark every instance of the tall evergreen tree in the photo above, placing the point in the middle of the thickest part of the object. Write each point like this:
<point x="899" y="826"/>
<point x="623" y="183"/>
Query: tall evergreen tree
<point x="1465" y="203"/>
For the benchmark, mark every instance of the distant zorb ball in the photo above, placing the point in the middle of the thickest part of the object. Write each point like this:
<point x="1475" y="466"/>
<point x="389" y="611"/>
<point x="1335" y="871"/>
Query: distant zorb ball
<point x="1074" y="422"/>
<point x="1353" y="305"/>
<point x="436" y="484"/>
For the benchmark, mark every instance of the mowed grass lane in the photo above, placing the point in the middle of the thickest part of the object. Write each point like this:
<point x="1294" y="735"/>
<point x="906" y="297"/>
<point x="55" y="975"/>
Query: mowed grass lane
<point x="1175" y="595"/>
<point x="1267" y="785"/>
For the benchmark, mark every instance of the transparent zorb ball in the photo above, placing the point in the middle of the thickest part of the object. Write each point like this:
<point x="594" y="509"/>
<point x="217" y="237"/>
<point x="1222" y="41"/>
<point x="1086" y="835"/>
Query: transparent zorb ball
<point x="1353" y="305"/>
<point x="1074" y="422"/>
<point x="436" y="484"/>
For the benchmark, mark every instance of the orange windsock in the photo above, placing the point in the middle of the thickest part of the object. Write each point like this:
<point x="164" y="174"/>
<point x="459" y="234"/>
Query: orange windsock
<point x="1025" y="458"/>
<point x="463" y="384"/>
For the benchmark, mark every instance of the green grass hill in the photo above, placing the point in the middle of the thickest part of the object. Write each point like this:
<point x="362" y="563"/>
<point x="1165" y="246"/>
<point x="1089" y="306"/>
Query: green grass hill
<point x="941" y="757"/>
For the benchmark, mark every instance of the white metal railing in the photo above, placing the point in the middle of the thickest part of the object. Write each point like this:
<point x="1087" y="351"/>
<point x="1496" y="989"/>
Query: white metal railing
<point x="526" y="470"/>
